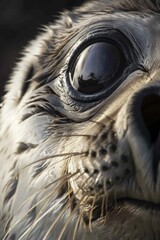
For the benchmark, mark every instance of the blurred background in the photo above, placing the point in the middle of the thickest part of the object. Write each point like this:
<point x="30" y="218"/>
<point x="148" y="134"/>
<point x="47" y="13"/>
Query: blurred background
<point x="20" y="21"/>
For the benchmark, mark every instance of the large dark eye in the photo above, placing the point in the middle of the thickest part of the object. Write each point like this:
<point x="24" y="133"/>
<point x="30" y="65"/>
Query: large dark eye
<point x="97" y="68"/>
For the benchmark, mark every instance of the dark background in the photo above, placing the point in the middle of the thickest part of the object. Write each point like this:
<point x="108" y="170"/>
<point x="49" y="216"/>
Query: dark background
<point x="19" y="23"/>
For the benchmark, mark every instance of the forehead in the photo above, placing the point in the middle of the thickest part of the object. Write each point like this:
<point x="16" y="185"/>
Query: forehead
<point x="127" y="5"/>
<point x="138" y="20"/>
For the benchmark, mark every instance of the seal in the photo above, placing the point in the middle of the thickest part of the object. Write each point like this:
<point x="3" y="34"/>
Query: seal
<point x="80" y="128"/>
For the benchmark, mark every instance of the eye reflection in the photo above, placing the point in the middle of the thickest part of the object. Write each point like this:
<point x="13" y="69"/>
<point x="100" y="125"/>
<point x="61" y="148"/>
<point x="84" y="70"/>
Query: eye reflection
<point x="96" y="67"/>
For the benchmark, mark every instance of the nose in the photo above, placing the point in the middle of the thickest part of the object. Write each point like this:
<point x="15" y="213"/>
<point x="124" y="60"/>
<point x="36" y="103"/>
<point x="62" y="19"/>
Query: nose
<point x="150" y="114"/>
<point x="145" y="116"/>
<point x="138" y="125"/>
<point x="146" y="108"/>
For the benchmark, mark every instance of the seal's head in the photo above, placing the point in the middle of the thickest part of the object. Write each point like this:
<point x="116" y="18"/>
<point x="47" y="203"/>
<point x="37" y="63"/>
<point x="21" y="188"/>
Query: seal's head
<point x="80" y="128"/>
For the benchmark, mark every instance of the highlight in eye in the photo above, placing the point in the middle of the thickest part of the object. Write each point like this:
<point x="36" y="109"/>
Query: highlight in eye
<point x="97" y="67"/>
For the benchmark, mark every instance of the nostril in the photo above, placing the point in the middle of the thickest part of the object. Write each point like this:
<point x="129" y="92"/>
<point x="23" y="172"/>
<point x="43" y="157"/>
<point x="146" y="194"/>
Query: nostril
<point x="150" y="110"/>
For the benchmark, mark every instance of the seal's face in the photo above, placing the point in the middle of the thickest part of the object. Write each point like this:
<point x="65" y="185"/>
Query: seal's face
<point x="80" y="128"/>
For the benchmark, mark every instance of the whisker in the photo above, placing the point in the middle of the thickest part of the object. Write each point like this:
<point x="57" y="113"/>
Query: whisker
<point x="105" y="203"/>
<point x="62" y="160"/>
<point x="103" y="206"/>
<point x="74" y="135"/>
<point x="107" y="117"/>
<point x="44" y="214"/>
<point x="98" y="123"/>
<point x="56" y="220"/>
<point x="69" y="219"/>
<point x="33" y="195"/>
<point x="61" y="213"/>
<point x="81" y="212"/>
<point x="54" y="156"/>
<point x="63" y="119"/>
<point x="91" y="213"/>
<point x="88" y="120"/>
<point x="68" y="191"/>
<point x="77" y="226"/>
<point x="53" y="163"/>
<point x="39" y="218"/>
<point x="74" y="210"/>
<point x="35" y="205"/>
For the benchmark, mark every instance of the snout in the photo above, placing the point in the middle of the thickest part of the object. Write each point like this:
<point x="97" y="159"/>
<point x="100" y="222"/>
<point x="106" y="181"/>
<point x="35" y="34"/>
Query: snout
<point x="142" y="118"/>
